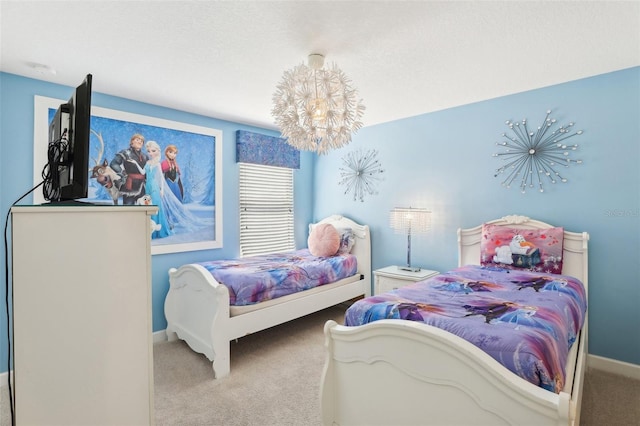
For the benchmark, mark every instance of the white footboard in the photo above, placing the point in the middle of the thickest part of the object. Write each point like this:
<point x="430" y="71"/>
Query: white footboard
<point x="408" y="373"/>
<point x="197" y="311"/>
<point x="195" y="306"/>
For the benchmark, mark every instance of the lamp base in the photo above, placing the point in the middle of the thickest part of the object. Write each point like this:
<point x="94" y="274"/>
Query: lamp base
<point x="409" y="268"/>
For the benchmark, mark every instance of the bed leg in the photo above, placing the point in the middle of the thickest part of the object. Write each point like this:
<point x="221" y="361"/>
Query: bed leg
<point x="222" y="360"/>
<point x="221" y="367"/>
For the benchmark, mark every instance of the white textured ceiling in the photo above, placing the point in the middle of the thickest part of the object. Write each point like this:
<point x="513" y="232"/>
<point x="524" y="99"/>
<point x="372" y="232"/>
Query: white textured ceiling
<point x="223" y="59"/>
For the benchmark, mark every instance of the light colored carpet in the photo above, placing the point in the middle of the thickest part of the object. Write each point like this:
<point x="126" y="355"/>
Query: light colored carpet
<point x="275" y="380"/>
<point x="610" y="400"/>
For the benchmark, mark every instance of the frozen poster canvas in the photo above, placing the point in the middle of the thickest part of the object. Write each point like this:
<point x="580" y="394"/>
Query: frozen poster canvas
<point x="140" y="160"/>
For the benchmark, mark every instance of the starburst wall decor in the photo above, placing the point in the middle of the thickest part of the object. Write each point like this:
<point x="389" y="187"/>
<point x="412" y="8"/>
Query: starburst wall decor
<point x="534" y="157"/>
<point x="361" y="173"/>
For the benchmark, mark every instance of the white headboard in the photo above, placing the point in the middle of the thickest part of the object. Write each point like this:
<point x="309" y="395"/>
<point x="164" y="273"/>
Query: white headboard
<point x="361" y="248"/>
<point x="575" y="246"/>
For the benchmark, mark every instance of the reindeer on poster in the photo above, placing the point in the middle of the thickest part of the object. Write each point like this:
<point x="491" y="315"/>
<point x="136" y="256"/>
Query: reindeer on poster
<point x="103" y="173"/>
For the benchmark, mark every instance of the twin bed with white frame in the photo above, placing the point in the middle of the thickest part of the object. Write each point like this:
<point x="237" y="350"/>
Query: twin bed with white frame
<point x="198" y="308"/>
<point x="394" y="371"/>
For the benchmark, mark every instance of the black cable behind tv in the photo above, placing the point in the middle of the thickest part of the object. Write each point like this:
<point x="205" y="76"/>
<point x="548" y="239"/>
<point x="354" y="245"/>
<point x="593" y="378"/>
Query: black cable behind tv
<point x="66" y="174"/>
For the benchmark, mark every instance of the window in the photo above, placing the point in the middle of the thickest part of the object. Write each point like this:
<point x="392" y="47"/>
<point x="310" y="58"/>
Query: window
<point x="266" y="209"/>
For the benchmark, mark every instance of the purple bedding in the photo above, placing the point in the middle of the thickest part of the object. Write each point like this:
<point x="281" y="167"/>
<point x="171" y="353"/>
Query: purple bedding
<point x="525" y="320"/>
<point x="256" y="279"/>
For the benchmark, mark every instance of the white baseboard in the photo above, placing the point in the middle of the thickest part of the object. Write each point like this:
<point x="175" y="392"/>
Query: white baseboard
<point x="159" y="336"/>
<point x="613" y="366"/>
<point x="3" y="379"/>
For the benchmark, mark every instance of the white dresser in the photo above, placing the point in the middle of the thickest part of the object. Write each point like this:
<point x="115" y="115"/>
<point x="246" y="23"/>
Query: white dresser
<point x="82" y="315"/>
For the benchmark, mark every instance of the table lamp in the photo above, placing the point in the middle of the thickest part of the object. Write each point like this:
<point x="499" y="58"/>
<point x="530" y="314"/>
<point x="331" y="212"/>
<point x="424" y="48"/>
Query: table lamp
<point x="410" y="221"/>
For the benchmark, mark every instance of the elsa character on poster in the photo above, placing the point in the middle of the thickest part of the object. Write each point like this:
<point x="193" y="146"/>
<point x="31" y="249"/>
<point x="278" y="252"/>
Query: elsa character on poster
<point x="172" y="214"/>
<point x="155" y="187"/>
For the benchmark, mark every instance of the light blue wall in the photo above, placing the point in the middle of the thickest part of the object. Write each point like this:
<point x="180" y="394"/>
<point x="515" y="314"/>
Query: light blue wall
<point x="16" y="176"/>
<point x="443" y="161"/>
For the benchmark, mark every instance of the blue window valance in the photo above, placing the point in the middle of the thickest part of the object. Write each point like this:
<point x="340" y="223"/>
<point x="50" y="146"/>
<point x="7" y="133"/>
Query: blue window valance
<point x="266" y="150"/>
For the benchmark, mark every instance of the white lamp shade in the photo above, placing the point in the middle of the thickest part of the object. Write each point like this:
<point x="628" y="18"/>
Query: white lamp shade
<point x="403" y="220"/>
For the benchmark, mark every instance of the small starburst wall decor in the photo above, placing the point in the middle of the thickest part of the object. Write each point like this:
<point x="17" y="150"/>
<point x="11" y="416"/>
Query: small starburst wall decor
<point x="533" y="158"/>
<point x="361" y="173"/>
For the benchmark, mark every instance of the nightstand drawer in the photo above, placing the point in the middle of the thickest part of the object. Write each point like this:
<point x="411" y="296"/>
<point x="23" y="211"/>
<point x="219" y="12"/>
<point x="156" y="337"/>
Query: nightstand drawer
<point x="387" y="284"/>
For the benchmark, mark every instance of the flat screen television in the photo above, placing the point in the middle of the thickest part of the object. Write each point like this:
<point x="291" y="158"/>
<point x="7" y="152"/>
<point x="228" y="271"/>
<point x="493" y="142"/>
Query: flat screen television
<point x="66" y="174"/>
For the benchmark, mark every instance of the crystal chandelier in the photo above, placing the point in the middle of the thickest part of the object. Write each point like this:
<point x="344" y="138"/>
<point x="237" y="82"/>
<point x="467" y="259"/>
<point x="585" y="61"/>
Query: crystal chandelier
<point x="316" y="108"/>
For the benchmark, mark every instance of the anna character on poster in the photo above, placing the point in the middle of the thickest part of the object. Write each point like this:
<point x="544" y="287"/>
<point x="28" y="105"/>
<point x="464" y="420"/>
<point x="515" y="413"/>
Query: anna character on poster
<point x="171" y="172"/>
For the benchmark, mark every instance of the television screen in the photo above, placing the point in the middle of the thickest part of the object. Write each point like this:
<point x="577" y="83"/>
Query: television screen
<point x="66" y="175"/>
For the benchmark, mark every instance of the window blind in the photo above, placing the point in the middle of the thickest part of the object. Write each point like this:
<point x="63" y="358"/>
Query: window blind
<point x="266" y="209"/>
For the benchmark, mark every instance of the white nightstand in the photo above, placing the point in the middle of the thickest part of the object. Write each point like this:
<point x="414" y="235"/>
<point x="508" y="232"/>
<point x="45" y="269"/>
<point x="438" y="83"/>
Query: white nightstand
<point x="392" y="277"/>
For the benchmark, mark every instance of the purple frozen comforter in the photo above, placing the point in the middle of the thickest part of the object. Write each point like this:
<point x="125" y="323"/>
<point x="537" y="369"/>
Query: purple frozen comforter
<point x="256" y="279"/>
<point x="525" y="320"/>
